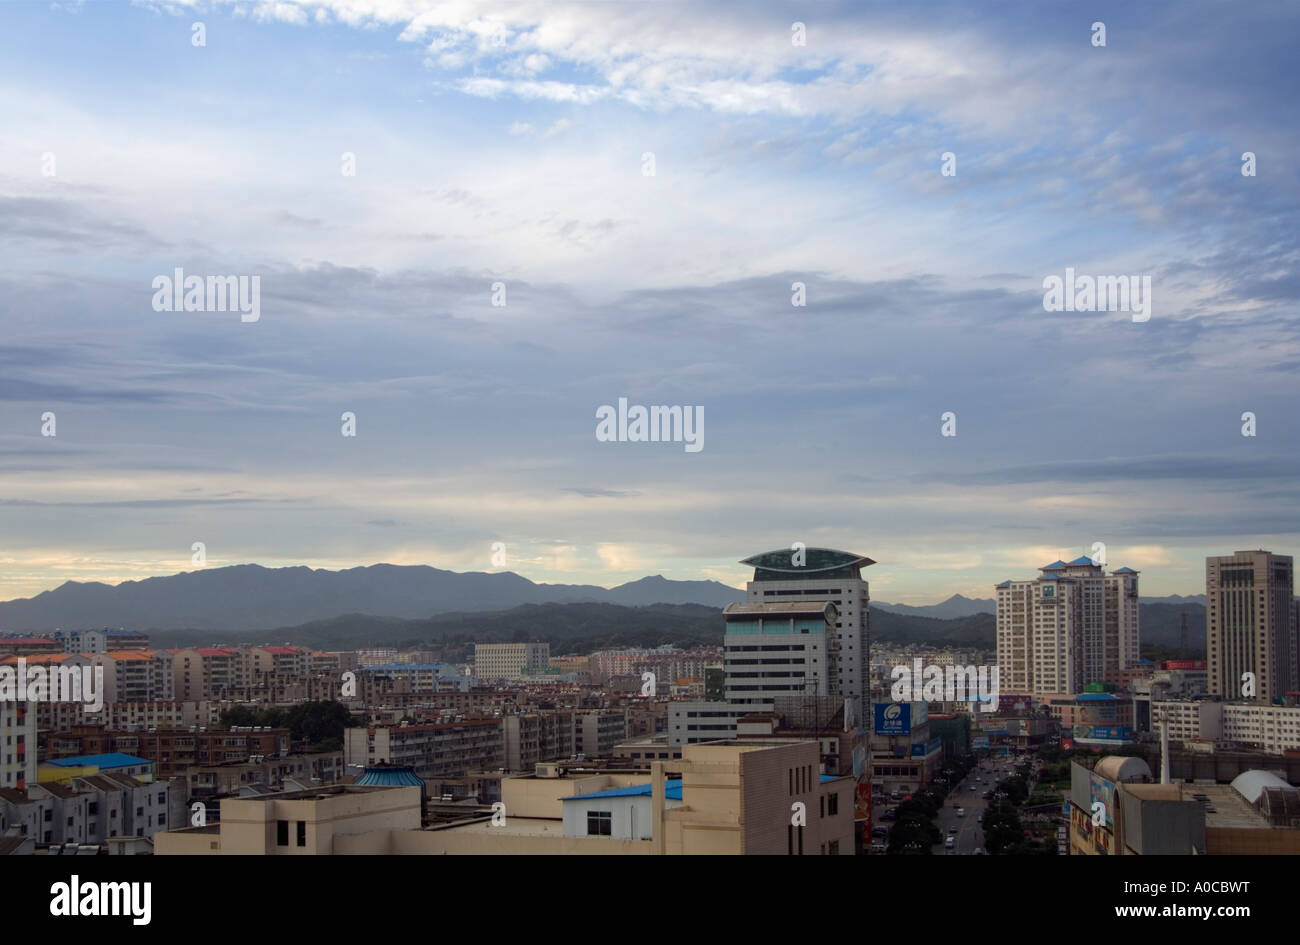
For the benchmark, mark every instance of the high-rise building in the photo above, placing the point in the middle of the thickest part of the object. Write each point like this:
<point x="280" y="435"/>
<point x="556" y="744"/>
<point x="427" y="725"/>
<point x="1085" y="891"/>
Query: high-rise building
<point x="17" y="744"/>
<point x="807" y="575"/>
<point x="775" y="650"/>
<point x="1250" y="625"/>
<point x="1072" y="625"/>
<point x="771" y="651"/>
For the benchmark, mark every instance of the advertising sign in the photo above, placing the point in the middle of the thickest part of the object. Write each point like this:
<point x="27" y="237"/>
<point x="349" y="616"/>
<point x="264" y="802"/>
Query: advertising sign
<point x="893" y="718"/>
<point x="1110" y="733"/>
<point x="1099" y="789"/>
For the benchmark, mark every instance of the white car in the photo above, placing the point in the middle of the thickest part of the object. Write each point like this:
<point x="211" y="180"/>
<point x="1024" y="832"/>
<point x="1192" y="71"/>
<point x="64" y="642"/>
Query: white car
<point x="950" y="842"/>
<point x="961" y="812"/>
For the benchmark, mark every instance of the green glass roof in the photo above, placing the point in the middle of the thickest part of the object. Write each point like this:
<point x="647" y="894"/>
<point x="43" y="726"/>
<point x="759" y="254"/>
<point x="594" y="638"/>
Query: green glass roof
<point x="780" y="565"/>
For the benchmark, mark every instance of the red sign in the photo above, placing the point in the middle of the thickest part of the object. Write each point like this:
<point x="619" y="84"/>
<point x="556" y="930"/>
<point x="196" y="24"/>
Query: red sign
<point x="1184" y="664"/>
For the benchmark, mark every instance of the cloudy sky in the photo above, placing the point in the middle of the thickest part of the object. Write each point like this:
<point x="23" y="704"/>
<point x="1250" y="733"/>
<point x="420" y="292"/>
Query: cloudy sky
<point x="509" y="143"/>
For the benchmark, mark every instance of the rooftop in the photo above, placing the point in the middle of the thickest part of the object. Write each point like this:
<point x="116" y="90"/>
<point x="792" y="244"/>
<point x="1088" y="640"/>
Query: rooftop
<point x="112" y="759"/>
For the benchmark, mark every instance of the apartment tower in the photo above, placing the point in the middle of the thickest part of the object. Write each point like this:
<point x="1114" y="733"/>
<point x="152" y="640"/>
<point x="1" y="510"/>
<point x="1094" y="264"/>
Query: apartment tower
<point x="1072" y="625"/>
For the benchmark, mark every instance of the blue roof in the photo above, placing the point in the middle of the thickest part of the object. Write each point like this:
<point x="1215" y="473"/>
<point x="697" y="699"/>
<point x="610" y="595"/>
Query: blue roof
<point x="1054" y="566"/>
<point x="1006" y="583"/>
<point x="114" y="759"/>
<point x="1125" y="571"/>
<point x="1082" y="559"/>
<point x="673" y="791"/>
<point x="1095" y="697"/>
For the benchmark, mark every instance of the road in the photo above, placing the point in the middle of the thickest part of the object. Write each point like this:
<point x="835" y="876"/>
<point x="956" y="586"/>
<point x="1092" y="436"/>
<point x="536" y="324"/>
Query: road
<point x="970" y="835"/>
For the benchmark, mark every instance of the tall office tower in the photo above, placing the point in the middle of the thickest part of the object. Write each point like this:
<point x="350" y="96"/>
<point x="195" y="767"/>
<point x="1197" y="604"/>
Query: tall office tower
<point x="1250" y="624"/>
<point x="774" y="650"/>
<point x="1072" y="625"/>
<point x="821" y="574"/>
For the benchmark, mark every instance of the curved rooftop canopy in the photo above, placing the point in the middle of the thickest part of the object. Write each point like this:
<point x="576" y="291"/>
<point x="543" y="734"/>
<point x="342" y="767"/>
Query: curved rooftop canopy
<point x="786" y="563"/>
<point x="1251" y="784"/>
<point x="1118" y="768"/>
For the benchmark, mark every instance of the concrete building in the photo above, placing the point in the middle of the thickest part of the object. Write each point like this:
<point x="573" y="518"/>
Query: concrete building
<point x="756" y="797"/>
<point x="1274" y="729"/>
<point x="904" y="754"/>
<point x="1071" y="626"/>
<point x="17" y="744"/>
<point x="91" y="809"/>
<point x="510" y="661"/>
<point x="772" y="650"/>
<point x="532" y="737"/>
<point x="1116" y="809"/>
<point x="1251" y="625"/>
<point x="298" y="823"/>
<point x="433" y="751"/>
<point x="822" y="574"/>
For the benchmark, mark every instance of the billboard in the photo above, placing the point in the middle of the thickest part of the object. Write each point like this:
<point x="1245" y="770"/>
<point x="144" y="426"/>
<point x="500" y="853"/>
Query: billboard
<point x="1184" y="664"/>
<point x="1099" y="789"/>
<point x="924" y="750"/>
<point x="980" y="741"/>
<point x="1108" y="733"/>
<point x="893" y="718"/>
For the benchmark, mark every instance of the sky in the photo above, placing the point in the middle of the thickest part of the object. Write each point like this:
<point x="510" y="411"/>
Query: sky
<point x="502" y="153"/>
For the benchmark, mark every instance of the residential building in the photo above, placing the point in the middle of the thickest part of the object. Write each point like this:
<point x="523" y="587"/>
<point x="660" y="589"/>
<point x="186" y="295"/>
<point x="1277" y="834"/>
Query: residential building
<point x="17" y="744"/>
<point x="510" y="661"/>
<point x="1071" y="626"/>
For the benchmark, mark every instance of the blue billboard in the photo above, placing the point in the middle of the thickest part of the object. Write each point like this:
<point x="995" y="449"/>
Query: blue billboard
<point x="893" y="718"/>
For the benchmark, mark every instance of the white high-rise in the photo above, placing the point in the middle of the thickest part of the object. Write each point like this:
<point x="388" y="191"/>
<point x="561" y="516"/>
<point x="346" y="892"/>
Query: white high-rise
<point x="1071" y="626"/>
<point x="805" y="575"/>
<point x="17" y="744"/>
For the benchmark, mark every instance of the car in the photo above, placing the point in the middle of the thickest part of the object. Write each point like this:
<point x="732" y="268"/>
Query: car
<point x="879" y="832"/>
<point x="961" y="812"/>
<point x="950" y="842"/>
<point x="979" y="851"/>
<point x="952" y="829"/>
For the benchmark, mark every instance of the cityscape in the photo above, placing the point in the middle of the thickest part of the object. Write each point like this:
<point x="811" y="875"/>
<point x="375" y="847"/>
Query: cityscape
<point x="798" y="731"/>
<point x="636" y="429"/>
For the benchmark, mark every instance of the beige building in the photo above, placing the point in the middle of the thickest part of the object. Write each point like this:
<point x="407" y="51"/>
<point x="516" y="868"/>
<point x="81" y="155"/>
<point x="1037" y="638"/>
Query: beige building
<point x="298" y="823"/>
<point x="753" y="797"/>
<point x="1250" y="624"/>
<point x="1070" y="626"/>
<point x="510" y="661"/>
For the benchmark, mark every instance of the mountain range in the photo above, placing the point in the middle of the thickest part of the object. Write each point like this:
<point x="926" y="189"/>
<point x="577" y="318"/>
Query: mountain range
<point x="249" y="598"/>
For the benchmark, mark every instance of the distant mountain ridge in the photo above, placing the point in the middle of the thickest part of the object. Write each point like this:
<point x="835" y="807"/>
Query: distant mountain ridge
<point x="252" y="597"/>
<point x="953" y="607"/>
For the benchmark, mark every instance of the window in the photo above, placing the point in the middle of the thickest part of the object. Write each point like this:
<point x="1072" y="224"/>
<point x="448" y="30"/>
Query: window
<point x="282" y="833"/>
<point x="833" y="804"/>
<point x="302" y="833"/>
<point x="600" y="823"/>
